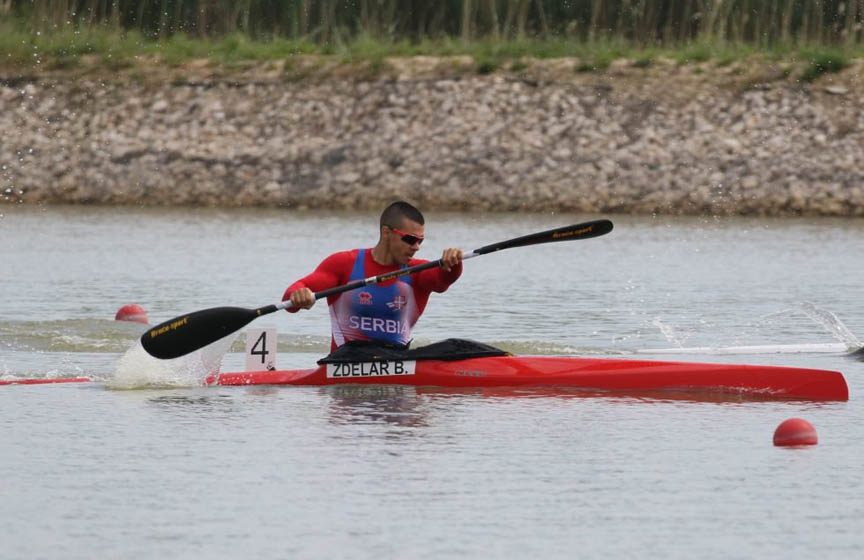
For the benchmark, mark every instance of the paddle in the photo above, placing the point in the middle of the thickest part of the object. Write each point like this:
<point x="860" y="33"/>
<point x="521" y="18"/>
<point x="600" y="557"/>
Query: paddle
<point x="187" y="333"/>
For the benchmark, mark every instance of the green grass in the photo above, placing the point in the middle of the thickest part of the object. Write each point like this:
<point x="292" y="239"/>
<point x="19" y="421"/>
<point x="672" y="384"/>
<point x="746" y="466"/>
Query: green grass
<point x="643" y="61"/>
<point x="822" y="62"/>
<point x="597" y="63"/>
<point x="695" y="53"/>
<point x="64" y="49"/>
<point x="487" y="66"/>
<point x="721" y="53"/>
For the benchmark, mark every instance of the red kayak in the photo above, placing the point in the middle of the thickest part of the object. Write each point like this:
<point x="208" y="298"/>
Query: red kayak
<point x="560" y="371"/>
<point x="46" y="380"/>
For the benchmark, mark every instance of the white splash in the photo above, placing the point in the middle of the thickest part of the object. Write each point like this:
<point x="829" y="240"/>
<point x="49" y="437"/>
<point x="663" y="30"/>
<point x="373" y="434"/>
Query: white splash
<point x="831" y="323"/>
<point x="826" y="319"/>
<point x="670" y="333"/>
<point x="139" y="370"/>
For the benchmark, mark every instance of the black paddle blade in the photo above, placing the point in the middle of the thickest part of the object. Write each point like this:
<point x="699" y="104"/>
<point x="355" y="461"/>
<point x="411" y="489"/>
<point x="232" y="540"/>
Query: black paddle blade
<point x="187" y="333"/>
<point x="584" y="230"/>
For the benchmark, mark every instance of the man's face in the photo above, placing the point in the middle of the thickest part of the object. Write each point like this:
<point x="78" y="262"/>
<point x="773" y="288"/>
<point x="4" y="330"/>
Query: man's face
<point x="402" y="250"/>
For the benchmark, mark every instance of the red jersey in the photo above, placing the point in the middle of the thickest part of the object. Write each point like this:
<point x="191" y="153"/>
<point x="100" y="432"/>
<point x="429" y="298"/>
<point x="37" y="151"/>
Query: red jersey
<point x="385" y="312"/>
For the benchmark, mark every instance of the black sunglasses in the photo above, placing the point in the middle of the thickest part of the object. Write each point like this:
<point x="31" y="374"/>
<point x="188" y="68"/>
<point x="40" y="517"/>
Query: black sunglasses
<point x="408" y="238"/>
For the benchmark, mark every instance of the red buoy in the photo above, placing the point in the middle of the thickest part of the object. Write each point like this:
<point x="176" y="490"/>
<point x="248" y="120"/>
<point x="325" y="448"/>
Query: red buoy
<point x="795" y="431"/>
<point x="131" y="312"/>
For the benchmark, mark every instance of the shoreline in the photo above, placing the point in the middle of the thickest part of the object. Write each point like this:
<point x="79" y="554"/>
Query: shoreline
<point x="744" y="139"/>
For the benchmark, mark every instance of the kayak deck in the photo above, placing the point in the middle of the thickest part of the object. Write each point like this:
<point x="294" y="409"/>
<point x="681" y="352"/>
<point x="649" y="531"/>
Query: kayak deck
<point x="562" y="371"/>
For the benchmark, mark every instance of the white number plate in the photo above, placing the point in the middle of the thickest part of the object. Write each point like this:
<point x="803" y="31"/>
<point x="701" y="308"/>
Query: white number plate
<point x="371" y="369"/>
<point x="261" y="349"/>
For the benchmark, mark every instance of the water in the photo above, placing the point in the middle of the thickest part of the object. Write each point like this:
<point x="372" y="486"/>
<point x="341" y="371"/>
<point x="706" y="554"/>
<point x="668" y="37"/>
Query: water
<point x="310" y="472"/>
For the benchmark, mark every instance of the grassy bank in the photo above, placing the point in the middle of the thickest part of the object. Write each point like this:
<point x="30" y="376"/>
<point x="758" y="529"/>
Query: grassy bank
<point x="111" y="48"/>
<point x="27" y="52"/>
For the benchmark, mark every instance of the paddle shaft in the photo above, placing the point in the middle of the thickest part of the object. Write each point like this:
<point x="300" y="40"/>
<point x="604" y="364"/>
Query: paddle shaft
<point x="367" y="281"/>
<point x="187" y="333"/>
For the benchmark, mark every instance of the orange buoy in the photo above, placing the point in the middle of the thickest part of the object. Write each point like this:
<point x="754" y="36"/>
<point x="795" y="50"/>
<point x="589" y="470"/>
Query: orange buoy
<point x="795" y="431"/>
<point x="131" y="312"/>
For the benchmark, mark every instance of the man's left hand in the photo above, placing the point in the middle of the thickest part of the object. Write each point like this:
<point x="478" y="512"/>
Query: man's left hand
<point x="451" y="257"/>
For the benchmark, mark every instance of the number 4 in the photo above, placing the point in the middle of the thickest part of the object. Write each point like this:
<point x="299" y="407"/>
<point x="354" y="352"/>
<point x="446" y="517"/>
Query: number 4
<point x="263" y="352"/>
<point x="260" y="354"/>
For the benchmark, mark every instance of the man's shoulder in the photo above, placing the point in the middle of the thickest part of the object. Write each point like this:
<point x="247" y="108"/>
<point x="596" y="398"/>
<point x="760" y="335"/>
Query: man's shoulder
<point x="350" y="253"/>
<point x="341" y="258"/>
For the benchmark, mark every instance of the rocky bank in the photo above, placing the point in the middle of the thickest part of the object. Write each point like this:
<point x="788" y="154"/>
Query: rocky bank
<point x="693" y="139"/>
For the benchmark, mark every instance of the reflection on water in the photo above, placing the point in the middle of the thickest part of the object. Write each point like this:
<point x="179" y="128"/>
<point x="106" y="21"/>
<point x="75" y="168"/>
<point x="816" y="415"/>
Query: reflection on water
<point x="398" y="405"/>
<point x="409" y="406"/>
<point x="187" y="401"/>
<point x="611" y="396"/>
<point x="194" y="408"/>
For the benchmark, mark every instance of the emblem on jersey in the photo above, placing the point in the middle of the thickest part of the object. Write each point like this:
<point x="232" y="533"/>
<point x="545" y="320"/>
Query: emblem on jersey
<point x="398" y="303"/>
<point x="364" y="298"/>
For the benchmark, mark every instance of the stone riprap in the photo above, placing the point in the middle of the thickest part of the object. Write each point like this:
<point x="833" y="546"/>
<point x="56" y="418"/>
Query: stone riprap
<point x="667" y="139"/>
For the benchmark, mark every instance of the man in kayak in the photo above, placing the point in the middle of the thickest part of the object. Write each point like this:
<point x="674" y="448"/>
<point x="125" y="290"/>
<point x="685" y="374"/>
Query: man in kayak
<point x="384" y="312"/>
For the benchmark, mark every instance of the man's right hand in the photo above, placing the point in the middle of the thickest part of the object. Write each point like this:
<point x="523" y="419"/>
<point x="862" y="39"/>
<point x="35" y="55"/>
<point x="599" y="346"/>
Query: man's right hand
<point x="303" y="298"/>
